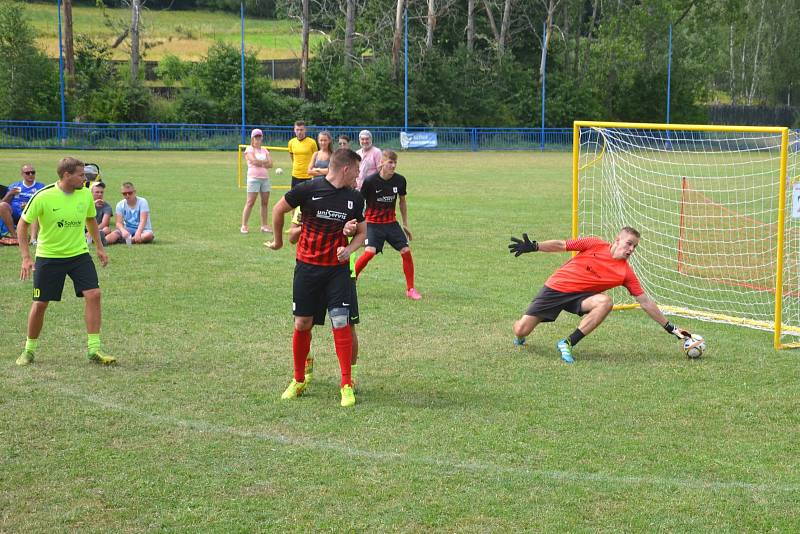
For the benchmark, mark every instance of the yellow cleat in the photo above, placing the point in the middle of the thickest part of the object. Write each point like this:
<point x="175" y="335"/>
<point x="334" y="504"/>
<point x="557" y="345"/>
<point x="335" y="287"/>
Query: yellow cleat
<point x="25" y="358"/>
<point x="348" y="397"/>
<point x="294" y="390"/>
<point x="101" y="358"/>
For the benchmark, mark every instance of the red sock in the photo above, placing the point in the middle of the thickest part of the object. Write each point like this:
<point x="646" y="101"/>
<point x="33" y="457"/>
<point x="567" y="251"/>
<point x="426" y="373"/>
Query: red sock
<point x="301" y="345"/>
<point x="408" y="269"/>
<point x="362" y="261"/>
<point x="343" y="341"/>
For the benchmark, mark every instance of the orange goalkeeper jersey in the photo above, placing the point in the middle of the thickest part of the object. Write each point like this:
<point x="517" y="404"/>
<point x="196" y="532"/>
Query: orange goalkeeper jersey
<point x="593" y="269"/>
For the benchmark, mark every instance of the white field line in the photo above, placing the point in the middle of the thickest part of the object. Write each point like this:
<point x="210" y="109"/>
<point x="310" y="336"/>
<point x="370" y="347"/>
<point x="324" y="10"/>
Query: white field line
<point x="206" y="427"/>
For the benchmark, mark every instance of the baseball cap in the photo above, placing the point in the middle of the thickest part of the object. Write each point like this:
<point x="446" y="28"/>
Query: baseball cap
<point x="256" y="132"/>
<point x="91" y="170"/>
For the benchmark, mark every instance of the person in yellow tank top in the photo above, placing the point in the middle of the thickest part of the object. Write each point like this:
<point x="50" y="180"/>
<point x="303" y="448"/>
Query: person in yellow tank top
<point x="301" y="148"/>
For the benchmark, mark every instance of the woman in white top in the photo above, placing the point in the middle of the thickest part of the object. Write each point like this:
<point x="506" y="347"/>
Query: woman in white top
<point x="258" y="161"/>
<point x="322" y="157"/>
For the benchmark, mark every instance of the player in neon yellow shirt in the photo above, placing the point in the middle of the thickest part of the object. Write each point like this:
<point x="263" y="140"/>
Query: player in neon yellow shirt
<point x="301" y="148"/>
<point x="62" y="210"/>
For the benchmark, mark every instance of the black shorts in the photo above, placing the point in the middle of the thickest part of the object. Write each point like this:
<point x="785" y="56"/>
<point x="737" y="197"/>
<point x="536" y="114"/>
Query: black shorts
<point x="377" y="234"/>
<point x="319" y="288"/>
<point x="319" y="316"/>
<point x="297" y="181"/>
<point x="49" y="275"/>
<point x="549" y="303"/>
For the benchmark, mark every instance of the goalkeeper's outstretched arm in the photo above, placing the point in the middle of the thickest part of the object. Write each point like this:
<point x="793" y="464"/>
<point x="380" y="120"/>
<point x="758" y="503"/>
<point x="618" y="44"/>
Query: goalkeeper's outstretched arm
<point x="524" y="245"/>
<point x="651" y="308"/>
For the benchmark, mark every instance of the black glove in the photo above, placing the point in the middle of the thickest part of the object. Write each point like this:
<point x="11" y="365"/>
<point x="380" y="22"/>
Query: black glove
<point x="521" y="246"/>
<point x="680" y="333"/>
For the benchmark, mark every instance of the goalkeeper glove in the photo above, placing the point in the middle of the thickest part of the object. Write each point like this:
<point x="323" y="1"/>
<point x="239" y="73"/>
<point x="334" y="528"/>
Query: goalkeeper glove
<point x="680" y="333"/>
<point x="521" y="246"/>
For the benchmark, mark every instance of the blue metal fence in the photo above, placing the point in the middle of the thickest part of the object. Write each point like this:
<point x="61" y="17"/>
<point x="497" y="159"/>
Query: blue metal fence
<point x="156" y="136"/>
<point x="153" y="136"/>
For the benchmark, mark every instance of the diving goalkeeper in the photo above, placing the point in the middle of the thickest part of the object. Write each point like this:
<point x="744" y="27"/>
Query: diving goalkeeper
<point x="578" y="285"/>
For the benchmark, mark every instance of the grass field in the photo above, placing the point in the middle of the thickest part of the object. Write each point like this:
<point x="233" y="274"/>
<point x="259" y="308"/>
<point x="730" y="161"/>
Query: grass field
<point x="186" y="34"/>
<point x="454" y="430"/>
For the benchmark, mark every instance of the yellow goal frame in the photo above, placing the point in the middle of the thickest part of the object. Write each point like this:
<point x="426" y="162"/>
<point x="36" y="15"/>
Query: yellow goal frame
<point x="240" y="172"/>
<point x="777" y="327"/>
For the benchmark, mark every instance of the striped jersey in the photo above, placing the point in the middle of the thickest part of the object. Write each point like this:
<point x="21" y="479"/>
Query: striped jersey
<point x="381" y="197"/>
<point x="325" y="210"/>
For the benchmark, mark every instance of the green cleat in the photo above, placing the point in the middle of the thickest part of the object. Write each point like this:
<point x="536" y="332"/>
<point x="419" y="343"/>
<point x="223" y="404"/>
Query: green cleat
<point x="309" y="370"/>
<point x="348" y="397"/>
<point x="26" y="358"/>
<point x="101" y="358"/>
<point x="294" y="390"/>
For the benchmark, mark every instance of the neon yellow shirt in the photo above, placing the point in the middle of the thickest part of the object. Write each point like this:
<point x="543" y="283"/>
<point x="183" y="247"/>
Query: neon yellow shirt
<point x="301" y="152"/>
<point x="62" y="218"/>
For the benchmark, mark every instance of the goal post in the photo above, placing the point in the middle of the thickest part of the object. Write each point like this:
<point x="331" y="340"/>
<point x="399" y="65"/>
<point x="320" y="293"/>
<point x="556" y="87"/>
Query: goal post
<point x="719" y="212"/>
<point x="241" y="166"/>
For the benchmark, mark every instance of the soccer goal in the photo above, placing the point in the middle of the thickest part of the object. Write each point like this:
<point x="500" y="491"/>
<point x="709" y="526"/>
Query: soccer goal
<point x="241" y="165"/>
<point x="719" y="212"/>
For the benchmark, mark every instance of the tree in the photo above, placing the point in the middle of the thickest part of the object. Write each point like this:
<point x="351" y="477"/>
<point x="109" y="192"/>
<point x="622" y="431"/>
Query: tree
<point x="102" y="93"/>
<point x="28" y="80"/>
<point x="135" y="14"/>
<point x="69" y="45"/>
<point x="398" y="34"/>
<point x="214" y="90"/>
<point x="470" y="25"/>
<point x="349" y="31"/>
<point x="304" y="53"/>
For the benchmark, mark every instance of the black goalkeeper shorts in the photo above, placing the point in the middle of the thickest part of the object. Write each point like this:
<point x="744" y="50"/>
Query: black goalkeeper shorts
<point x="549" y="303"/>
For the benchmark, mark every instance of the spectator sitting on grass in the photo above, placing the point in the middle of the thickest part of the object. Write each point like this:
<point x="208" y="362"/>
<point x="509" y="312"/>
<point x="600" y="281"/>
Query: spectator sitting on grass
<point x="132" y="219"/>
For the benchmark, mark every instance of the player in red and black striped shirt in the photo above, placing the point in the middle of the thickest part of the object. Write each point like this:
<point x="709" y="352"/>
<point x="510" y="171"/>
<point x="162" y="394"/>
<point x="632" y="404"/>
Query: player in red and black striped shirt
<point x="322" y="273"/>
<point x="383" y="191"/>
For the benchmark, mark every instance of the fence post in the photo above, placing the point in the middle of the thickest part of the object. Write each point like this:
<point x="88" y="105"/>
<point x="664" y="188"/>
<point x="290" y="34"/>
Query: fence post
<point x="155" y="136"/>
<point x="473" y="138"/>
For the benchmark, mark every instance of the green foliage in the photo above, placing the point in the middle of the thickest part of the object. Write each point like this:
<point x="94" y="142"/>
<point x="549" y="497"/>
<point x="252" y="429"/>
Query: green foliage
<point x="214" y="91"/>
<point x="29" y="84"/>
<point x="629" y="71"/>
<point x="569" y="100"/>
<point x="102" y="93"/>
<point x="367" y="94"/>
<point x="456" y="90"/>
<point x="171" y="70"/>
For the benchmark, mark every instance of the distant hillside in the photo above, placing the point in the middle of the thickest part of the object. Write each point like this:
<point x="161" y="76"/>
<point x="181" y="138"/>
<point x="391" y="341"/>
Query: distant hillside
<point x="185" y="34"/>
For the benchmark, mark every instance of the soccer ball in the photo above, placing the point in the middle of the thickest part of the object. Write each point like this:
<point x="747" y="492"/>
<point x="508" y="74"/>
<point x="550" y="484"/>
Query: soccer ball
<point x="278" y="171"/>
<point x="694" y="346"/>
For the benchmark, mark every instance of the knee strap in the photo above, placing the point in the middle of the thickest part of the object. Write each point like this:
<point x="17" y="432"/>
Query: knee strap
<point x="340" y="317"/>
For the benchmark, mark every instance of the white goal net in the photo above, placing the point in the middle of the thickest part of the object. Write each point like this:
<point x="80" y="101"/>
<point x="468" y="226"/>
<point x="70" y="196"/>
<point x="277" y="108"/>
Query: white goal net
<point x="707" y="201"/>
